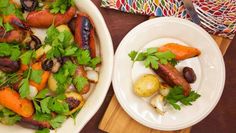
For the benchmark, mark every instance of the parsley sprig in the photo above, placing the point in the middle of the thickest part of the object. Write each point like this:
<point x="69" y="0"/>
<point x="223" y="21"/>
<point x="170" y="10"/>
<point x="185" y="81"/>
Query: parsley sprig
<point x="7" y="26"/>
<point x="60" y="6"/>
<point x="8" y="117"/>
<point x="152" y="57"/>
<point x="7" y="8"/>
<point x="10" y="50"/>
<point x="176" y="96"/>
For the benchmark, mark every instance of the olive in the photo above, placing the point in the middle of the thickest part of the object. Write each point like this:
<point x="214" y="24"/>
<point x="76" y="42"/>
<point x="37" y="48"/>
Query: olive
<point x="189" y="75"/>
<point x="29" y="5"/>
<point x="33" y="42"/>
<point x="47" y="65"/>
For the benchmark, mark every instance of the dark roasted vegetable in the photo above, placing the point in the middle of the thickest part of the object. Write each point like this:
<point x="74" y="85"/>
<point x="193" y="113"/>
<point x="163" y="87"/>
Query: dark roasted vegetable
<point x="33" y="124"/>
<point x="29" y="5"/>
<point x="14" y="36"/>
<point x="9" y="66"/>
<point x="15" y="22"/>
<point x="52" y="65"/>
<point x="85" y="34"/>
<point x="33" y="43"/>
<point x="189" y="74"/>
<point x="47" y="65"/>
<point x="173" y="77"/>
<point x="75" y="101"/>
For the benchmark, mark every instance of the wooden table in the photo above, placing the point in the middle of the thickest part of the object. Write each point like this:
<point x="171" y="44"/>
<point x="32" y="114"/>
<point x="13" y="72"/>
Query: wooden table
<point x="222" y="119"/>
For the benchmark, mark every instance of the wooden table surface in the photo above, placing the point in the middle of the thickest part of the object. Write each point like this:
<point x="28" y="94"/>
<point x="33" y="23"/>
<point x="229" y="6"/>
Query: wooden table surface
<point x="223" y="117"/>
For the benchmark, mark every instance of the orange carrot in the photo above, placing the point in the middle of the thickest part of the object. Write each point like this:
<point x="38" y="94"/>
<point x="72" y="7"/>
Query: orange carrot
<point x="181" y="52"/>
<point x="23" y="67"/>
<point x="45" y="76"/>
<point x="10" y="99"/>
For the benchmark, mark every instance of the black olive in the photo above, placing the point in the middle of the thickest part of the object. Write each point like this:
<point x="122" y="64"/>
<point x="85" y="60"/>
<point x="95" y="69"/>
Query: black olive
<point x="47" y="65"/>
<point x="189" y="75"/>
<point x="36" y="41"/>
<point x="29" y="5"/>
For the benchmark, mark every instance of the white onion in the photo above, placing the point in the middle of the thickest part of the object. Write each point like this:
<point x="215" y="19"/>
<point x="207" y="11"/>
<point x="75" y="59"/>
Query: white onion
<point x="92" y="76"/>
<point x="158" y="103"/>
<point x="33" y="92"/>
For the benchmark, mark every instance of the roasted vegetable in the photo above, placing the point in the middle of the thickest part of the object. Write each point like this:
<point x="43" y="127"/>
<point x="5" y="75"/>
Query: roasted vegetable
<point x="9" y="66"/>
<point x="158" y="103"/>
<point x="15" y="22"/>
<point x="13" y="36"/>
<point x="11" y="100"/>
<point x="80" y="80"/>
<point x="85" y="34"/>
<point x="172" y="77"/>
<point x="75" y="101"/>
<point x="52" y="83"/>
<point x="44" y="79"/>
<point x="51" y="65"/>
<point x="44" y="19"/>
<point x="146" y="85"/>
<point x="29" y="122"/>
<point x="189" y="74"/>
<point x="33" y="43"/>
<point x="29" y="5"/>
<point x="181" y="52"/>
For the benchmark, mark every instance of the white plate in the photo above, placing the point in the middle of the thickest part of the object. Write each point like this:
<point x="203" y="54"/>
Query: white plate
<point x="98" y="94"/>
<point x="209" y="67"/>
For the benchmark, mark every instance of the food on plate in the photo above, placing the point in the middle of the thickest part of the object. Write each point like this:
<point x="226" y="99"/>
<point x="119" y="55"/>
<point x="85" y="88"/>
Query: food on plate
<point x="181" y="52"/>
<point x="158" y="104"/>
<point x="174" y="88"/>
<point x="189" y="74"/>
<point x="172" y="77"/>
<point x="146" y="85"/>
<point x="46" y="66"/>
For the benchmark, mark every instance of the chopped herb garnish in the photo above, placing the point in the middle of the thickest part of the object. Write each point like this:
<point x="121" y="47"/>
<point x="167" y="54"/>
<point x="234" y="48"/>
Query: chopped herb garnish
<point x="57" y="121"/>
<point x="176" y="95"/>
<point x="8" y="117"/>
<point x="36" y="75"/>
<point x="80" y="82"/>
<point x="45" y="130"/>
<point x="152" y="57"/>
<point x="10" y="50"/>
<point x="61" y="6"/>
<point x="24" y="85"/>
<point x="27" y="56"/>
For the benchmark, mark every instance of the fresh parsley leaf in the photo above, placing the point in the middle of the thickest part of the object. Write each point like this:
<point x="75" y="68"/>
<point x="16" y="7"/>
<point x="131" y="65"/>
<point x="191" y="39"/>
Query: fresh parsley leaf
<point x="133" y="55"/>
<point x="70" y="51"/>
<point x="42" y="93"/>
<point x="83" y="57"/>
<point x="52" y="34"/>
<point x="7" y="8"/>
<point x="24" y="88"/>
<point x="10" y="50"/>
<point x="176" y="95"/>
<point x="61" y="6"/>
<point x="38" y="116"/>
<point x="1" y="22"/>
<point x="36" y="75"/>
<point x="44" y="105"/>
<point x="4" y="3"/>
<point x="57" y="121"/>
<point x="8" y="27"/>
<point x="93" y="63"/>
<point x="36" y="106"/>
<point x="58" y="105"/>
<point x="8" y="117"/>
<point x="80" y="82"/>
<point x="27" y="56"/>
<point x="45" y="130"/>
<point x="152" y="57"/>
<point x="73" y="116"/>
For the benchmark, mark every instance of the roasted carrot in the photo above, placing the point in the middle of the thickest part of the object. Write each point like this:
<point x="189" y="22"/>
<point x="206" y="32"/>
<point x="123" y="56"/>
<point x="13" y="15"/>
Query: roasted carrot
<point x="81" y="72"/>
<point x="181" y="52"/>
<point x="10" y="99"/>
<point x="45" y="76"/>
<point x="23" y="67"/>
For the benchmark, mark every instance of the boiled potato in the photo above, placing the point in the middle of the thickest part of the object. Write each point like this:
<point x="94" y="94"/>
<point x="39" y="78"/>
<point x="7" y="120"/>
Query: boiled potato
<point x="52" y="83"/>
<point x="62" y="28"/>
<point x="146" y="85"/>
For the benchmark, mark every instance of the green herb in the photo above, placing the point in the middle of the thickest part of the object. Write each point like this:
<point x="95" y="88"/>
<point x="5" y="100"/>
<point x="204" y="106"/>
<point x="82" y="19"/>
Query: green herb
<point x="176" y="95"/>
<point x="7" y="8"/>
<point x="38" y="116"/>
<point x="44" y="105"/>
<point x="80" y="82"/>
<point x="57" y="121"/>
<point x="58" y="105"/>
<point x="24" y="85"/>
<point x="10" y="50"/>
<point x="8" y="27"/>
<point x="42" y="94"/>
<point x="70" y="51"/>
<point x="83" y="58"/>
<point x="1" y="22"/>
<point x="152" y="57"/>
<point x="45" y="130"/>
<point x="8" y="117"/>
<point x="9" y="79"/>
<point x="61" y="6"/>
<point x="27" y="56"/>
<point x="73" y="116"/>
<point x="36" y="75"/>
